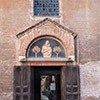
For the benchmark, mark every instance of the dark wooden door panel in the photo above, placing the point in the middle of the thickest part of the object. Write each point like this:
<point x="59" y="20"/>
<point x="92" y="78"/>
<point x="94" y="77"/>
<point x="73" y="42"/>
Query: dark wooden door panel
<point x="21" y="83"/>
<point x="70" y="83"/>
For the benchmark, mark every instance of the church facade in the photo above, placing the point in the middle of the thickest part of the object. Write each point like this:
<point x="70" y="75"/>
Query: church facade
<point x="50" y="50"/>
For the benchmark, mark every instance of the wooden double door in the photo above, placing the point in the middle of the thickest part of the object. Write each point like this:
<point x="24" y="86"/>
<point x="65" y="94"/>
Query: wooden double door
<point x="46" y="83"/>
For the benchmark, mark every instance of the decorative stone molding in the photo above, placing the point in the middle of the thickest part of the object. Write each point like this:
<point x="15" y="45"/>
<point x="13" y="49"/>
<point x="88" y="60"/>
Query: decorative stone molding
<point x="47" y="27"/>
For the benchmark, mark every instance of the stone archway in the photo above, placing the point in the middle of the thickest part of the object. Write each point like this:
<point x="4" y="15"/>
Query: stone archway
<point x="31" y="43"/>
<point x="44" y="28"/>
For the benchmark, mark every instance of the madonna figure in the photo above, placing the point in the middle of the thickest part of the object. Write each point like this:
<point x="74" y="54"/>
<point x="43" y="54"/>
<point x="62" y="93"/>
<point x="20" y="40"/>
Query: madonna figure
<point x="46" y="50"/>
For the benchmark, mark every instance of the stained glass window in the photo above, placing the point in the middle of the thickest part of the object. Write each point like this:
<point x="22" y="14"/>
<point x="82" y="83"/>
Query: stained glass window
<point x="46" y="7"/>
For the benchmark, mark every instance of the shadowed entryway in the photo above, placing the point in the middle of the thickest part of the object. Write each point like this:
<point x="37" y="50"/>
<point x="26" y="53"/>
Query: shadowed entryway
<point x="47" y="84"/>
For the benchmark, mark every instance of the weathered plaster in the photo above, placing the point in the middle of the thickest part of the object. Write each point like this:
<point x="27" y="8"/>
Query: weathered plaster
<point x="90" y="80"/>
<point x="81" y="16"/>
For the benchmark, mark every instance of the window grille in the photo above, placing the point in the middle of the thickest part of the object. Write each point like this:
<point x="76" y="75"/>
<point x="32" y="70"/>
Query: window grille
<point x="46" y="8"/>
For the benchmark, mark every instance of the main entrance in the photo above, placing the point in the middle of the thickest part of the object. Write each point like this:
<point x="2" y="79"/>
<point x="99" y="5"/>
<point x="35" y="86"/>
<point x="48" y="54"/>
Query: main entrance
<point x="47" y="83"/>
<point x="45" y="71"/>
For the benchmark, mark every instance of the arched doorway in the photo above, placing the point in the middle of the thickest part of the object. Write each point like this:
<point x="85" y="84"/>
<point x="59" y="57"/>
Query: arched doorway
<point x="49" y="52"/>
<point x="46" y="73"/>
<point x="44" y="51"/>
